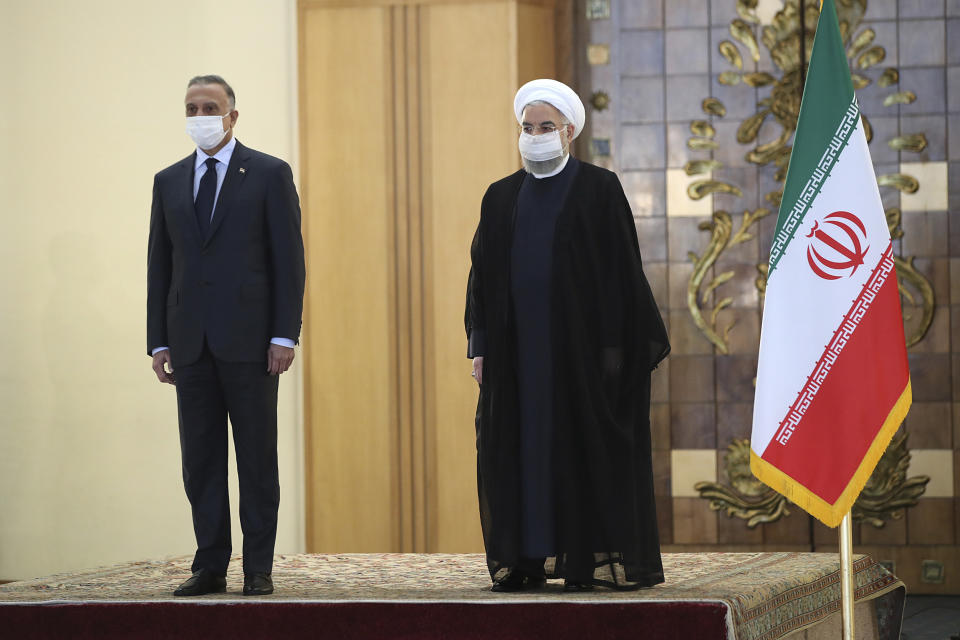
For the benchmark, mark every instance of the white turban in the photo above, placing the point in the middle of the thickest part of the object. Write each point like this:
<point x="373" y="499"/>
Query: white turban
<point x="555" y="93"/>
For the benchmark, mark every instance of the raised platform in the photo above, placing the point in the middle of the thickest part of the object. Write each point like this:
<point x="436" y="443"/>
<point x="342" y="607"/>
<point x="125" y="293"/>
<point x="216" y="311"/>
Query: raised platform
<point x="739" y="596"/>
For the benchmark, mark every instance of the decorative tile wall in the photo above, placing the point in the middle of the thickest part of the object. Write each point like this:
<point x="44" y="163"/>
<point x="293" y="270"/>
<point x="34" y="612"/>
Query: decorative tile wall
<point x="663" y="61"/>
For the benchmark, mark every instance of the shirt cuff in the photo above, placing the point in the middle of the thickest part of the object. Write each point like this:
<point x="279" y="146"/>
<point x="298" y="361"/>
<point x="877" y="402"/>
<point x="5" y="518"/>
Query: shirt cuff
<point x="283" y="342"/>
<point x="158" y="350"/>
<point x="477" y="343"/>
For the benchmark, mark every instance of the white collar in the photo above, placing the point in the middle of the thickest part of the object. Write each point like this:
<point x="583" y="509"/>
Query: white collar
<point x="540" y="176"/>
<point x="223" y="155"/>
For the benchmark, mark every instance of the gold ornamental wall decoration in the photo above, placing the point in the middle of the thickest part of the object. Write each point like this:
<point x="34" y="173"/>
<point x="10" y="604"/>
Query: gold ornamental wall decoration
<point x="787" y="41"/>
<point x="916" y="292"/>
<point x="886" y="495"/>
<point x="783" y="40"/>
<point x="721" y="237"/>
<point x="746" y="497"/>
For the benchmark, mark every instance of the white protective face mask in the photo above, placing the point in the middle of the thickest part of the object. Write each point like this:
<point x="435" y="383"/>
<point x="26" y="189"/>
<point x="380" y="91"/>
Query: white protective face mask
<point x="206" y="131"/>
<point x="545" y="146"/>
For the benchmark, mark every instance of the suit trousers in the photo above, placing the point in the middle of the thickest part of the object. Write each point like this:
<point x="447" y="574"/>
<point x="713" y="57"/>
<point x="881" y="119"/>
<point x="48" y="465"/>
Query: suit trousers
<point x="208" y="391"/>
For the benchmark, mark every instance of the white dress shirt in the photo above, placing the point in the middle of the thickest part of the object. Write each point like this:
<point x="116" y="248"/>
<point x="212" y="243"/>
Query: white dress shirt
<point x="200" y="169"/>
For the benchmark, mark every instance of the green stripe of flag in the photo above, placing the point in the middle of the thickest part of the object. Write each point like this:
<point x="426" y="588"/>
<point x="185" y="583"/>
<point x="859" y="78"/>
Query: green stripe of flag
<point x="827" y="100"/>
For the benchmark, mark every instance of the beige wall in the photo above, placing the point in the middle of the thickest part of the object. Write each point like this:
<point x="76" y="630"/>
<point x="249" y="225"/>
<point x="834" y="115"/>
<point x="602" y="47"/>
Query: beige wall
<point x="90" y="109"/>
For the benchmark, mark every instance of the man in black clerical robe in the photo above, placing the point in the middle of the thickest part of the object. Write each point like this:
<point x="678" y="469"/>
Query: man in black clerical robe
<point x="564" y="334"/>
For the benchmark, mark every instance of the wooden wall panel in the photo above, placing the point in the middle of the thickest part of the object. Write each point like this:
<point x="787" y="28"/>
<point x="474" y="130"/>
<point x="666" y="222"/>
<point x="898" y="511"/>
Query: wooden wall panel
<point x="470" y="147"/>
<point x="536" y="51"/>
<point x="348" y="325"/>
<point x="473" y="144"/>
<point x="409" y="180"/>
<point x="406" y="118"/>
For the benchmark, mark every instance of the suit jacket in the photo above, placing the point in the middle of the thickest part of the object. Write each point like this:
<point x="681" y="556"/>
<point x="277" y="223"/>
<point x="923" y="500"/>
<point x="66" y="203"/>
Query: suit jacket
<point x="240" y="286"/>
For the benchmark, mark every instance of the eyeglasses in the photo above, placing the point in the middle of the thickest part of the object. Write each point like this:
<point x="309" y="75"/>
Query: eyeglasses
<point x="533" y="129"/>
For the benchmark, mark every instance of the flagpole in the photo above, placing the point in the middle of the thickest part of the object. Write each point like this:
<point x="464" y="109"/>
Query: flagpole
<point x="846" y="576"/>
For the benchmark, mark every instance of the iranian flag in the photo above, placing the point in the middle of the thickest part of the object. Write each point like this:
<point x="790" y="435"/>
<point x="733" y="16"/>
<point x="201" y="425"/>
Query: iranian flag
<point x="833" y="383"/>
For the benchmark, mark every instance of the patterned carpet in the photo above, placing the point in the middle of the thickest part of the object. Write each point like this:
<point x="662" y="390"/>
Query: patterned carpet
<point x="768" y="595"/>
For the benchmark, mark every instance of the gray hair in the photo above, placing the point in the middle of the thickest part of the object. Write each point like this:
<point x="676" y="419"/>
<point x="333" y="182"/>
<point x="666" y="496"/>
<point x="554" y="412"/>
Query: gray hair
<point x="563" y="119"/>
<point x="214" y="79"/>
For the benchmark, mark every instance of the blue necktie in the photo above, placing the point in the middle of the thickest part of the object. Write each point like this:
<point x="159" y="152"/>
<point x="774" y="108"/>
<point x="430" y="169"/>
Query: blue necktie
<point x="206" y="195"/>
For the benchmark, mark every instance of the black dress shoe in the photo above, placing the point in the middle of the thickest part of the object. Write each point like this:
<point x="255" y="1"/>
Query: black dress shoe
<point x="257" y="584"/>
<point x="574" y="586"/>
<point x="517" y="581"/>
<point x="201" y="583"/>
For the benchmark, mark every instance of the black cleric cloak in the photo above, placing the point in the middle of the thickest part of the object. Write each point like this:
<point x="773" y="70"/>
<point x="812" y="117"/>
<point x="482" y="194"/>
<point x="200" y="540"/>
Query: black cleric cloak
<point x="607" y="336"/>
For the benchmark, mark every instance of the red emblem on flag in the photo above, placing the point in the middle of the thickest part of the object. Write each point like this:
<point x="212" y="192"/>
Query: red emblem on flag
<point x="836" y="246"/>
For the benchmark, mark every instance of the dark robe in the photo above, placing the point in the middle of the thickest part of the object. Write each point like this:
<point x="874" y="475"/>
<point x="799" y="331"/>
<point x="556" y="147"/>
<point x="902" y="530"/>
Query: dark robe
<point x="605" y="338"/>
<point x="531" y="262"/>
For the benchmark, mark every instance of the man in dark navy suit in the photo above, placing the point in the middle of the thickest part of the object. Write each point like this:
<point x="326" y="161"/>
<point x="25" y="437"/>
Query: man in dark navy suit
<point x="225" y="279"/>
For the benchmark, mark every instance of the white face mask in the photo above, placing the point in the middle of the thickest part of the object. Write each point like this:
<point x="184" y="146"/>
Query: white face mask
<point x="206" y="131"/>
<point x="545" y="146"/>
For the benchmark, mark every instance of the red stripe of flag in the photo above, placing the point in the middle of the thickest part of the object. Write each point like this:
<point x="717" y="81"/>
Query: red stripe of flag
<point x="865" y="382"/>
